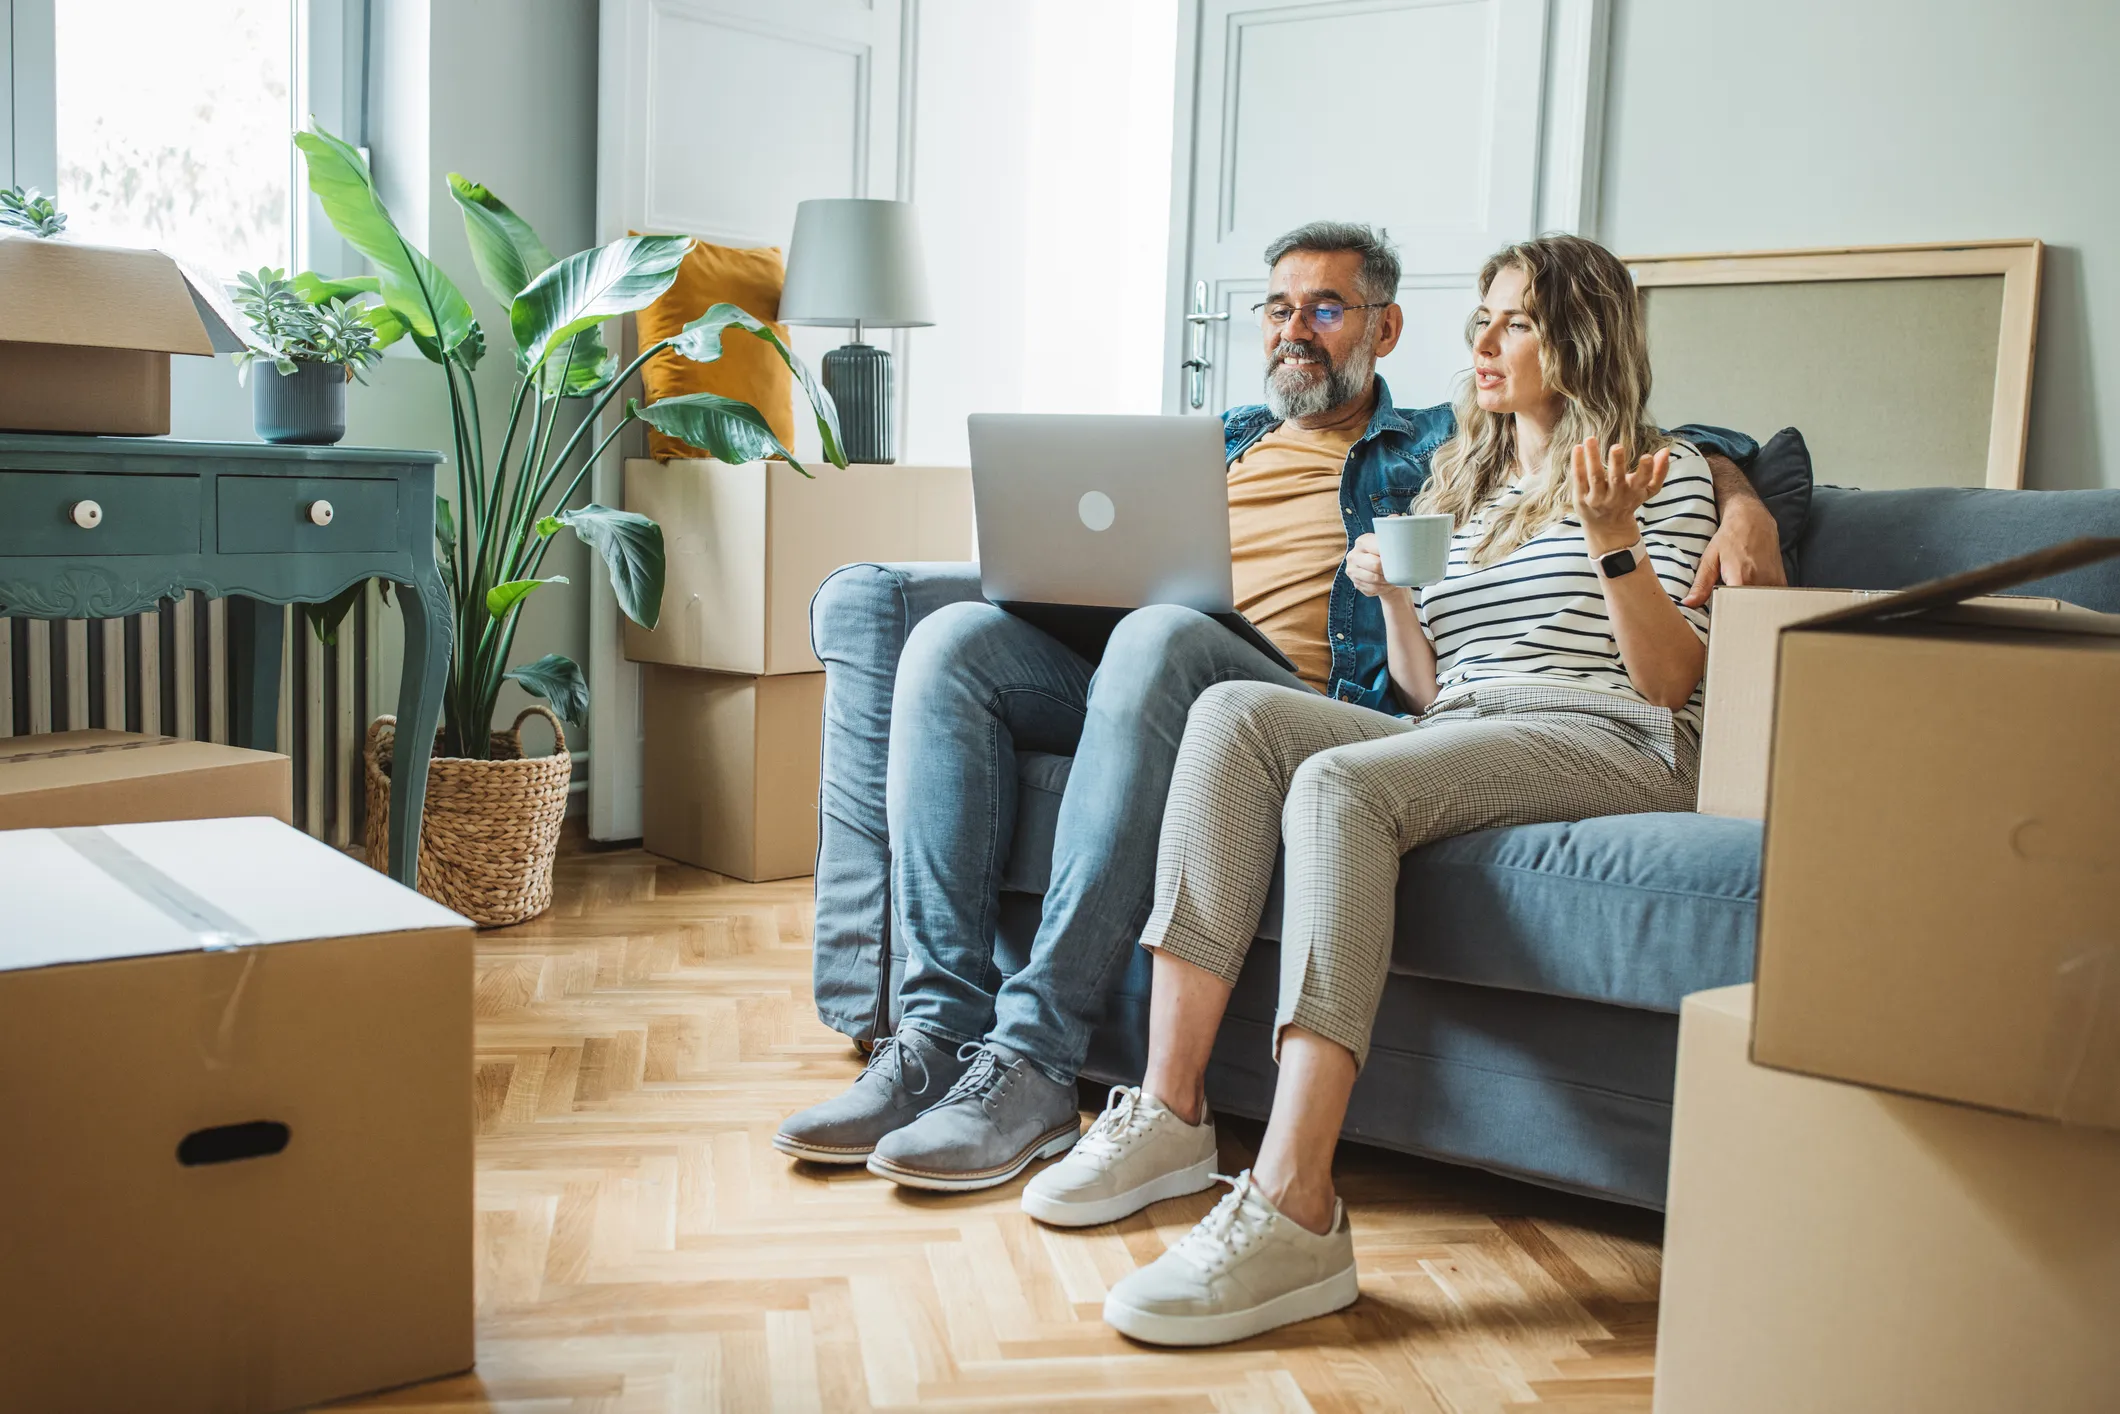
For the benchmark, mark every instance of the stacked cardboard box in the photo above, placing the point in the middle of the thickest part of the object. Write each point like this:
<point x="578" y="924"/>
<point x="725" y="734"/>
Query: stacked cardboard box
<point x="237" y="1172"/>
<point x="1903" y="1196"/>
<point x="733" y="694"/>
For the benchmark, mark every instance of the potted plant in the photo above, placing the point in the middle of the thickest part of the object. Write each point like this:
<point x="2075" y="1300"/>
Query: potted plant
<point x="492" y="819"/>
<point x="27" y="209"/>
<point x="314" y="338"/>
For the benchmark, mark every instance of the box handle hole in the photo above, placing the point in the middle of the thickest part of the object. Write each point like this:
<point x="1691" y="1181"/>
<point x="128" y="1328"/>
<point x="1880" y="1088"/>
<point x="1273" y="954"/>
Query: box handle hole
<point x="226" y="1143"/>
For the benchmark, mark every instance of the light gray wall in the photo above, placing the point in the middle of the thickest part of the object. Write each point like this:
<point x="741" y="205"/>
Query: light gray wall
<point x="503" y="91"/>
<point x="1741" y="125"/>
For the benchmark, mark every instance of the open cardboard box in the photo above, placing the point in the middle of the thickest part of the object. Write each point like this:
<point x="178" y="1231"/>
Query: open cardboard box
<point x="86" y="332"/>
<point x="237" y="1160"/>
<point x="1940" y="885"/>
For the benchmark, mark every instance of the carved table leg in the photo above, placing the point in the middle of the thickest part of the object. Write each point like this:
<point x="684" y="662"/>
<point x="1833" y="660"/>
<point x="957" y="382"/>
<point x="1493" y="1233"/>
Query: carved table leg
<point x="254" y="634"/>
<point x="420" y="689"/>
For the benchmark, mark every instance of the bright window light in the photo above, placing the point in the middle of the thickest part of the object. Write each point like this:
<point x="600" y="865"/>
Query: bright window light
<point x="174" y="127"/>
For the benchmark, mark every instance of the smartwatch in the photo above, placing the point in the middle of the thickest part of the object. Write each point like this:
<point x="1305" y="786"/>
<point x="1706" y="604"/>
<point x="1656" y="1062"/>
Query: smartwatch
<point x="1620" y="562"/>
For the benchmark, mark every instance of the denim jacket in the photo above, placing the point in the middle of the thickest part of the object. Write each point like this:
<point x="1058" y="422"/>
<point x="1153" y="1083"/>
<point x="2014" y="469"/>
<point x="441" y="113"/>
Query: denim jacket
<point x="1386" y="468"/>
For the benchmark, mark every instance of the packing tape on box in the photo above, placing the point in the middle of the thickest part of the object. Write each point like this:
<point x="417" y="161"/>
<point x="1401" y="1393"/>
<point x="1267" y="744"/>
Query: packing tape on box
<point x="213" y="928"/>
<point x="100" y="748"/>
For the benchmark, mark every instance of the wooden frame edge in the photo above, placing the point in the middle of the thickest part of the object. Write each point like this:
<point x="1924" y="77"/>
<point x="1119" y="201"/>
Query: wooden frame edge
<point x="2020" y="263"/>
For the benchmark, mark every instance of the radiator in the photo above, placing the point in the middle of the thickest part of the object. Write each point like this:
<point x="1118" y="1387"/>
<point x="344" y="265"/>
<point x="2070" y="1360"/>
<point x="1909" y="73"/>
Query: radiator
<point x="167" y="673"/>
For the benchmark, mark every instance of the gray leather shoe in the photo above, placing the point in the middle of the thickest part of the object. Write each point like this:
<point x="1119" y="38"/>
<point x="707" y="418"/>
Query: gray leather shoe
<point x="907" y="1073"/>
<point x="999" y="1116"/>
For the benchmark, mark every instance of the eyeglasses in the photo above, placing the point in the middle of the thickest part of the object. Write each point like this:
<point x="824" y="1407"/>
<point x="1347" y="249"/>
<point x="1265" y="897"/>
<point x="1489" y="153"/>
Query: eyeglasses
<point x="1324" y="316"/>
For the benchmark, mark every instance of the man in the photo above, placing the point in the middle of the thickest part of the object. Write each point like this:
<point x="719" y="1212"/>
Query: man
<point x="978" y="1081"/>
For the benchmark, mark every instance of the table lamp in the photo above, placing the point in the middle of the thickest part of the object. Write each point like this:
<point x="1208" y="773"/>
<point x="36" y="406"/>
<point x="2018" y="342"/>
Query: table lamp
<point x="856" y="263"/>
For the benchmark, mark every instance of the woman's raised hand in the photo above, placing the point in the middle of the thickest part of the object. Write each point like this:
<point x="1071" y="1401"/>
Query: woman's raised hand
<point x="1608" y="491"/>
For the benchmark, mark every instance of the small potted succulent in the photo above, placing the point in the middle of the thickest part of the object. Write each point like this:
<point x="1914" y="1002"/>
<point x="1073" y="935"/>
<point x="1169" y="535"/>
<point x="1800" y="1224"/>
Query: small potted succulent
<point x="312" y="339"/>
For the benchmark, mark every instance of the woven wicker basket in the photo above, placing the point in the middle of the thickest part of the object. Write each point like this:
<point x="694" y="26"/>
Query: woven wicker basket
<point x="491" y="827"/>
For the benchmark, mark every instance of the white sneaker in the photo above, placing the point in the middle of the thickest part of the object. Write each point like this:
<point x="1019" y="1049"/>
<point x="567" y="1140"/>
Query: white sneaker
<point x="1137" y="1152"/>
<point x="1243" y="1270"/>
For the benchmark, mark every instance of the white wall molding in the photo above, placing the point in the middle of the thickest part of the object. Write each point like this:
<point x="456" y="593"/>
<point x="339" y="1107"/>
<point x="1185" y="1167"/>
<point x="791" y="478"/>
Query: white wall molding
<point x="1572" y="123"/>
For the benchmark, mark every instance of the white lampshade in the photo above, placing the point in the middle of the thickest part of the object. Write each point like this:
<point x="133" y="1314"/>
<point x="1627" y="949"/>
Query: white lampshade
<point x="856" y="261"/>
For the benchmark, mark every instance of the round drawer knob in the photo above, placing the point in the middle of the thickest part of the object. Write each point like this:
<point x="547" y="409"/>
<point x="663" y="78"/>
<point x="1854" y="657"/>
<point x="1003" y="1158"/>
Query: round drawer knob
<point x="86" y="514"/>
<point x="320" y="512"/>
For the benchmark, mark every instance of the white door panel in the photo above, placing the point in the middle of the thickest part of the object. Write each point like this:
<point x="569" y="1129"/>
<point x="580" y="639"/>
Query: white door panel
<point x="1421" y="117"/>
<point x="715" y="118"/>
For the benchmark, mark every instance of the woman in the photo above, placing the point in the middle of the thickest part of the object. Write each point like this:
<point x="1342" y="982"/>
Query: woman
<point x="1554" y="676"/>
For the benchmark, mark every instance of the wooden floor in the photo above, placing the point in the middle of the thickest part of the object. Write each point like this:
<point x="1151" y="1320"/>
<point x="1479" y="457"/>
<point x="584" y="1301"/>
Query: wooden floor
<point x="642" y="1247"/>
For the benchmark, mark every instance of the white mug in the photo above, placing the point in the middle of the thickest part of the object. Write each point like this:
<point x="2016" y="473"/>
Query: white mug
<point x="1415" y="549"/>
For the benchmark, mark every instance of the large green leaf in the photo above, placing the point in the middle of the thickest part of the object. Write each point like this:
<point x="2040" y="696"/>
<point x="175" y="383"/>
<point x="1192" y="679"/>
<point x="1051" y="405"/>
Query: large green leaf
<point x="324" y="619"/>
<point x="632" y="547"/>
<point x="503" y="597"/>
<point x="559" y="681"/>
<point x="726" y="428"/>
<point x="431" y="305"/>
<point x="700" y="341"/>
<point x="583" y="368"/>
<point x="591" y="286"/>
<point x="389" y="328"/>
<point x="506" y="251"/>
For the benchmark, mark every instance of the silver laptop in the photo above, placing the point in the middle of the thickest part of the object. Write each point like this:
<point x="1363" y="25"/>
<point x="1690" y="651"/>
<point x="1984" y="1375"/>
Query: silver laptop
<point x="1083" y="518"/>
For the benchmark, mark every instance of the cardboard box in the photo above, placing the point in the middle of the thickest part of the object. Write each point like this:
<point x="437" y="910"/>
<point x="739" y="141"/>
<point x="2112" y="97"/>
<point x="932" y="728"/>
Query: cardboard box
<point x="113" y="778"/>
<point x="1746" y="625"/>
<point x="237" y="1173"/>
<point x="1832" y="1249"/>
<point x="1940" y="888"/>
<point x="748" y="546"/>
<point x="729" y="778"/>
<point x="86" y="333"/>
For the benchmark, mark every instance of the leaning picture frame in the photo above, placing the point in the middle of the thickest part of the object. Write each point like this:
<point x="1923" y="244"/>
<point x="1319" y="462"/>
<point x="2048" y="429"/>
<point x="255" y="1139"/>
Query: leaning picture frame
<point x="1903" y="366"/>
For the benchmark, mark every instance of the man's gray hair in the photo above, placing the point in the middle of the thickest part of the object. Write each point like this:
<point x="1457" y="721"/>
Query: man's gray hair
<point x="1379" y="279"/>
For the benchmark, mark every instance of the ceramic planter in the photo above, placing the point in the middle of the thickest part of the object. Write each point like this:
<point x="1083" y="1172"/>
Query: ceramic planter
<point x="307" y="406"/>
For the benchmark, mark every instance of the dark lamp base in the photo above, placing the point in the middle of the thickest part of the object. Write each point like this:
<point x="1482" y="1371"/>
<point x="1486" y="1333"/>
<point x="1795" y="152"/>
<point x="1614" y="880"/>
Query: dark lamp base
<point x="858" y="376"/>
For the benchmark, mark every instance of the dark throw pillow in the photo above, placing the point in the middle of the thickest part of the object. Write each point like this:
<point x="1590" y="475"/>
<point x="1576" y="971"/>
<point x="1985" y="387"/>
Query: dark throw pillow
<point x="1781" y="474"/>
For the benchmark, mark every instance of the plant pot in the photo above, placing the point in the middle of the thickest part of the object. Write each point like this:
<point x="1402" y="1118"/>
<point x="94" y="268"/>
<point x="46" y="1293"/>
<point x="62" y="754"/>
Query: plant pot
<point x="307" y="406"/>
<point x="491" y="828"/>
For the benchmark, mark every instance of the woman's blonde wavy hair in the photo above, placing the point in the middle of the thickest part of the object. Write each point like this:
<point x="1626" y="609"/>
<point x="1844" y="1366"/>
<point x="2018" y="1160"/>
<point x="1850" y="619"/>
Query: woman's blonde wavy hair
<point x="1593" y="351"/>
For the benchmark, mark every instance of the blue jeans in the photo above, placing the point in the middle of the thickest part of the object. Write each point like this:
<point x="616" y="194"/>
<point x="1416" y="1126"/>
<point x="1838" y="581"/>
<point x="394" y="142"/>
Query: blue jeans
<point x="975" y="686"/>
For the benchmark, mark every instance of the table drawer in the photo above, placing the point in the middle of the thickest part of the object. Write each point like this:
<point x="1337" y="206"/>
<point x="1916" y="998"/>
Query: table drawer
<point x="131" y="515"/>
<point x="270" y="515"/>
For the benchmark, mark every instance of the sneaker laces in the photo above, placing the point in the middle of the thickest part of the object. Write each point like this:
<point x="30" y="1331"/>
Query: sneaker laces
<point x="1125" y="1119"/>
<point x="1228" y="1231"/>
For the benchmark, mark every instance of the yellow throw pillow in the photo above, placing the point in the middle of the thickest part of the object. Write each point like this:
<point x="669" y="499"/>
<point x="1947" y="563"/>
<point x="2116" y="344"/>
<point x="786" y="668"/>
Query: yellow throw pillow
<point x="748" y="367"/>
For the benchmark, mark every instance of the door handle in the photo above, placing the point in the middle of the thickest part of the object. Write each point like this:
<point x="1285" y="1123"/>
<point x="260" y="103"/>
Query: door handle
<point x="1197" y="363"/>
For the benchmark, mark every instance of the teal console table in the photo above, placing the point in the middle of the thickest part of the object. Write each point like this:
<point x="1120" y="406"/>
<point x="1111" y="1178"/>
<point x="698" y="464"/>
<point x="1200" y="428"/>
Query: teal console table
<point x="101" y="527"/>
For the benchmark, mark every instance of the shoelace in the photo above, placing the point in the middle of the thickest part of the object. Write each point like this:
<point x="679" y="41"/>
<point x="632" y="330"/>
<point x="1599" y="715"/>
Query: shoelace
<point x="1122" y="1121"/>
<point x="1229" y="1229"/>
<point x="986" y="1077"/>
<point x="892" y="1052"/>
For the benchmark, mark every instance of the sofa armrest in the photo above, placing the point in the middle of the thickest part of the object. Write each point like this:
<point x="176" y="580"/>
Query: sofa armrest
<point x="860" y="618"/>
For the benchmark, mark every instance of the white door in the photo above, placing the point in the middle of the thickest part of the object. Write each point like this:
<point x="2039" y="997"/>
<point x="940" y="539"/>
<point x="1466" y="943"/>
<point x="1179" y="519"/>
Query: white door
<point x="715" y="117"/>
<point x="1457" y="126"/>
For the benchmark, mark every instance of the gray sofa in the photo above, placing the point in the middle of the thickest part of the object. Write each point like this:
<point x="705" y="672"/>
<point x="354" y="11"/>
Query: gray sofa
<point x="1530" y="1025"/>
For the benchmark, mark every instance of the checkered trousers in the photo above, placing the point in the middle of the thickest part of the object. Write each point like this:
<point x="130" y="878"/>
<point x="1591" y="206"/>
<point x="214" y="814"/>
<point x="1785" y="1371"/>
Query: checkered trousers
<point x="1348" y="791"/>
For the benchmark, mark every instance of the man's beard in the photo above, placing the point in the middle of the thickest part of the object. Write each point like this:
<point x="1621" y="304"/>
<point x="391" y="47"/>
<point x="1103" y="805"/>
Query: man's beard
<point x="1291" y="393"/>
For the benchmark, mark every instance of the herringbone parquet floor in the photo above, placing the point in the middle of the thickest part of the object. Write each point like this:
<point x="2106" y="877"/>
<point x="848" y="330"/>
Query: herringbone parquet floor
<point x="641" y="1247"/>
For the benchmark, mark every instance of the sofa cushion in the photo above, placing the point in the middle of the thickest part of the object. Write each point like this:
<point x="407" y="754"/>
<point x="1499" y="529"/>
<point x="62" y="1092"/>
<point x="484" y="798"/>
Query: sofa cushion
<point x="1637" y="910"/>
<point x="1891" y="539"/>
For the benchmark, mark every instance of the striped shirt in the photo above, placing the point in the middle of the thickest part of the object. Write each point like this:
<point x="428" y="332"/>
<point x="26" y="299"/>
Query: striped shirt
<point x="1539" y="616"/>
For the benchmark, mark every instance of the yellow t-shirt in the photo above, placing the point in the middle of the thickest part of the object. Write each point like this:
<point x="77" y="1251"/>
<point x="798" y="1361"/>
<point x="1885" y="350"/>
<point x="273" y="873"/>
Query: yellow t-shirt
<point x="1286" y="539"/>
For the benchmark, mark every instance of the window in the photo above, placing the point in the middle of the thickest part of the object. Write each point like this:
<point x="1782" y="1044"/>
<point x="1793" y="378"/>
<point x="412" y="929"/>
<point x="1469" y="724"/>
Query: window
<point x="173" y="127"/>
<point x="166" y="124"/>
